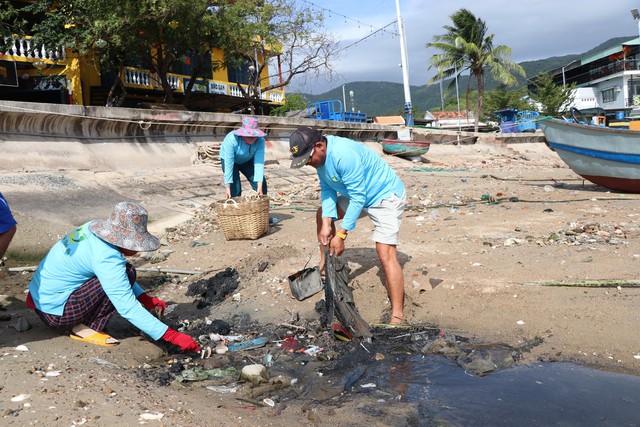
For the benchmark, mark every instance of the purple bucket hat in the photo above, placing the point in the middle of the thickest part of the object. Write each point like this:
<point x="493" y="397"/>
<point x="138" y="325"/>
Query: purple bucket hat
<point x="249" y="128"/>
<point x="126" y="228"/>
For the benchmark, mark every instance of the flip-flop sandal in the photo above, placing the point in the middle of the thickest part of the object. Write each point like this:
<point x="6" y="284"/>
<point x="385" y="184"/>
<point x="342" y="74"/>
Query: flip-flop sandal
<point x="97" y="338"/>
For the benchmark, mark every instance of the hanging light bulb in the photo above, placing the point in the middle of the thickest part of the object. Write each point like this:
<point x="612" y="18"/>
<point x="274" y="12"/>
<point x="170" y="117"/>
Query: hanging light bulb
<point x="173" y="24"/>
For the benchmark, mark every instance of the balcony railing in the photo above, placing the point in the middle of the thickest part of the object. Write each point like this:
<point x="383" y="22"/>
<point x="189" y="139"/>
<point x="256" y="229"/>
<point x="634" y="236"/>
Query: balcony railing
<point x="138" y="78"/>
<point x="271" y="95"/>
<point x="144" y="79"/>
<point x="234" y="90"/>
<point x="590" y="74"/>
<point x="276" y="96"/>
<point x="25" y="47"/>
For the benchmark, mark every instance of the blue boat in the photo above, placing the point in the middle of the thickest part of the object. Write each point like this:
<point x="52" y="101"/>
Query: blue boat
<point x="514" y="121"/>
<point x="400" y="148"/>
<point x="333" y="110"/>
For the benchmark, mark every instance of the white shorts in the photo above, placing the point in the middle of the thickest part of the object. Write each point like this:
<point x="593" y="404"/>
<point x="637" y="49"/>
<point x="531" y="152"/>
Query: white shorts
<point x="386" y="217"/>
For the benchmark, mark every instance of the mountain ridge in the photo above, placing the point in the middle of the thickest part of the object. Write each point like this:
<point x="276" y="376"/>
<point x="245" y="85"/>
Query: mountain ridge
<point x="367" y="94"/>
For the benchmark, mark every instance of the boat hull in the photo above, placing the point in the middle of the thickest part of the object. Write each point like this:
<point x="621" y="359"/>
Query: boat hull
<point x="405" y="148"/>
<point x="604" y="156"/>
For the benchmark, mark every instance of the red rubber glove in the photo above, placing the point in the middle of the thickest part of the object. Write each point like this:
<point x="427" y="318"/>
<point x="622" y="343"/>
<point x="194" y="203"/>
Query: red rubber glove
<point x="151" y="303"/>
<point x="184" y="341"/>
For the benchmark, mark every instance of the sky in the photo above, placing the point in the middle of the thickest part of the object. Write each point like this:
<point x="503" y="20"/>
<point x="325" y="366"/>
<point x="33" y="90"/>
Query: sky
<point x="532" y="29"/>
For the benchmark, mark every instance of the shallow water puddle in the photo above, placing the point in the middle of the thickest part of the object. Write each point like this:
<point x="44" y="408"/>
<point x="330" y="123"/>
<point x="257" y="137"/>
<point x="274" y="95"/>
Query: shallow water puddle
<point x="540" y="394"/>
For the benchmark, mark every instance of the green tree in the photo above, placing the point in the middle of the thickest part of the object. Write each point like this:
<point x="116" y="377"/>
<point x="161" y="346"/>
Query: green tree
<point x="416" y="112"/>
<point x="157" y="34"/>
<point x="290" y="33"/>
<point x="144" y="33"/>
<point x="503" y="98"/>
<point x="10" y="21"/>
<point x="466" y="47"/>
<point x="555" y="99"/>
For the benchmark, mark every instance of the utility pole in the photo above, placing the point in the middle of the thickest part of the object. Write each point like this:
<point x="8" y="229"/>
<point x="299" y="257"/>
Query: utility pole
<point x="405" y="69"/>
<point x="344" y="100"/>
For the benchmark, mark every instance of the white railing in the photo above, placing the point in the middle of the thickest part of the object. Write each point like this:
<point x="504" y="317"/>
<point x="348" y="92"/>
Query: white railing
<point x="276" y="96"/>
<point x="138" y="77"/>
<point x="234" y="90"/>
<point x="146" y="79"/>
<point x="26" y="48"/>
<point x="174" y="81"/>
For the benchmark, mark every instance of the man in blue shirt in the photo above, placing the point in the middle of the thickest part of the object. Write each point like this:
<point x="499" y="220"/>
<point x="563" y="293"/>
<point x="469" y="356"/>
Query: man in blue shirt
<point x="85" y="279"/>
<point x="7" y="226"/>
<point x="242" y="151"/>
<point x="355" y="181"/>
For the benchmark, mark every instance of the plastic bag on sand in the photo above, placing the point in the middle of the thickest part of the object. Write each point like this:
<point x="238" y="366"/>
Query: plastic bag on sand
<point x="339" y="298"/>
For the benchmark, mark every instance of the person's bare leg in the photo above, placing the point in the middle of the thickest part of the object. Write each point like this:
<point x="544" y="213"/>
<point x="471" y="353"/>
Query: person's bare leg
<point x="5" y="239"/>
<point x="395" y="280"/>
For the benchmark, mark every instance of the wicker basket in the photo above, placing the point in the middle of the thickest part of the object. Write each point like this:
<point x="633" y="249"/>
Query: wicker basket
<point x="245" y="217"/>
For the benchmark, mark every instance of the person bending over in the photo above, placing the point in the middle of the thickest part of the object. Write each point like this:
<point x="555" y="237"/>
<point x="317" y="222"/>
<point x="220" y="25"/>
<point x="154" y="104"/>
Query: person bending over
<point x="355" y="181"/>
<point x="242" y="151"/>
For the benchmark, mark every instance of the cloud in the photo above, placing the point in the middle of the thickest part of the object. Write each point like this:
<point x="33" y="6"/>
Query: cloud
<point x="533" y="30"/>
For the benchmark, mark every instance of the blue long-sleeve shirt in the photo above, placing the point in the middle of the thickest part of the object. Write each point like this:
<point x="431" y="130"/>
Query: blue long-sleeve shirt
<point x="358" y="173"/>
<point x="235" y="150"/>
<point x="78" y="257"/>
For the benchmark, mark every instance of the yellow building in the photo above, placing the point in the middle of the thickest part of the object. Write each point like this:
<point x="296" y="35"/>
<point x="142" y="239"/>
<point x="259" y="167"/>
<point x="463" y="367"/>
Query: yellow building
<point x="52" y="74"/>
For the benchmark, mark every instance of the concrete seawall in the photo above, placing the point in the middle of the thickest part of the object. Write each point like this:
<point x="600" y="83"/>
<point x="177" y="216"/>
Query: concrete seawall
<point x="46" y="136"/>
<point x="36" y="136"/>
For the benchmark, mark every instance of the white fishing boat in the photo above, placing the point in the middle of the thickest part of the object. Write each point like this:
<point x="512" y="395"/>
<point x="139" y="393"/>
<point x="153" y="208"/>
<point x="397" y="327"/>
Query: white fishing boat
<point x="605" y="156"/>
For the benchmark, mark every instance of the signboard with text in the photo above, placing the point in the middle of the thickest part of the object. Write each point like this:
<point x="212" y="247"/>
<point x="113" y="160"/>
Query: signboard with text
<point x="219" y="88"/>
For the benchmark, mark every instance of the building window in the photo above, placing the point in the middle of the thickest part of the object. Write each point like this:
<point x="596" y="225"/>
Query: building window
<point x="185" y="65"/>
<point x="239" y="74"/>
<point x="634" y="92"/>
<point x="609" y="95"/>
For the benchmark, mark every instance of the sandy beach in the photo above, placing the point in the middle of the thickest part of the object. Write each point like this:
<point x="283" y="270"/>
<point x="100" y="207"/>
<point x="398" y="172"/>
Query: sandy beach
<point x="499" y="243"/>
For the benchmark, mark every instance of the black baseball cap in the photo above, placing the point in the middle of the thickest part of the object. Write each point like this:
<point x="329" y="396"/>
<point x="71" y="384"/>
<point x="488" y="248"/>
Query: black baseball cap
<point x="301" y="142"/>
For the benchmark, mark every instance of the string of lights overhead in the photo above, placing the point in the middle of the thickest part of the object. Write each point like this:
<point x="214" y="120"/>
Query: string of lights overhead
<point x="376" y="31"/>
<point x="347" y="18"/>
<point x="379" y="30"/>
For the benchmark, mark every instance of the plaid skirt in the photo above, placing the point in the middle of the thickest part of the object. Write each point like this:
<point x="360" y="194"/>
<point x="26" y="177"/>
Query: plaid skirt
<point x="88" y="305"/>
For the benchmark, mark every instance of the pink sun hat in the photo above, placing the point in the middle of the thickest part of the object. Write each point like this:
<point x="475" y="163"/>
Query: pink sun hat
<point x="249" y="128"/>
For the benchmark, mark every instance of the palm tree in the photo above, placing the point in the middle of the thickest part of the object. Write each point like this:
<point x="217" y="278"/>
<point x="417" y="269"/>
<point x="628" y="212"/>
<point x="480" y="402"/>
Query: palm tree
<point x="466" y="46"/>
